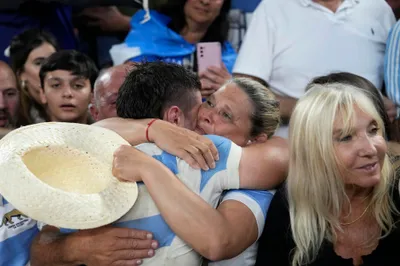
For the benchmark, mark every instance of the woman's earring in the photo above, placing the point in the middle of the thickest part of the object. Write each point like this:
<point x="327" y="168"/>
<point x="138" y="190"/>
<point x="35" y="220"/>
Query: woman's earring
<point x="23" y="84"/>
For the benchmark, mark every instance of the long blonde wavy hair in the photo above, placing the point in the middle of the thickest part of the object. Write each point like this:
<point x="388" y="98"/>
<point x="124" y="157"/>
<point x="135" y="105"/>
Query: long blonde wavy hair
<point x="316" y="192"/>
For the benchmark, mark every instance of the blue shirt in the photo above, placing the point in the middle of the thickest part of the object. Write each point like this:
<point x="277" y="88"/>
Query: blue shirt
<point x="153" y="41"/>
<point x="16" y="235"/>
<point x="246" y="6"/>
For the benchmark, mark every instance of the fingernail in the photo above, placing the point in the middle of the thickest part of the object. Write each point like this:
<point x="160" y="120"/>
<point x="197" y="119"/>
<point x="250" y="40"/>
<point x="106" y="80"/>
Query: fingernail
<point x="206" y="168"/>
<point x="149" y="236"/>
<point x="138" y="262"/>
<point x="213" y="165"/>
<point x="151" y="252"/>
<point x="217" y="157"/>
<point x="154" y="244"/>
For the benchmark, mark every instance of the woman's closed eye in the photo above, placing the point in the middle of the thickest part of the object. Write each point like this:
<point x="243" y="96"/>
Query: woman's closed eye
<point x="226" y="116"/>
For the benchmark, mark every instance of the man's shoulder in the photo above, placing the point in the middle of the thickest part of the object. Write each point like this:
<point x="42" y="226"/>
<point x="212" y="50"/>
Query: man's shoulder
<point x="378" y="8"/>
<point x="376" y="3"/>
<point x="149" y="148"/>
<point x="218" y="140"/>
<point x="226" y="148"/>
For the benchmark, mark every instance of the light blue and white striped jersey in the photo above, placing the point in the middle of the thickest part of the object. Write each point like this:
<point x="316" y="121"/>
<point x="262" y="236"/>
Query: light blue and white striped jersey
<point x="392" y="66"/>
<point x="16" y="234"/>
<point x="208" y="184"/>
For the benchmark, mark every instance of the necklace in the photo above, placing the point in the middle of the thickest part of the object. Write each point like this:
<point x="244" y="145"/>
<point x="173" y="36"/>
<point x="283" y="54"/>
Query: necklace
<point x="362" y="214"/>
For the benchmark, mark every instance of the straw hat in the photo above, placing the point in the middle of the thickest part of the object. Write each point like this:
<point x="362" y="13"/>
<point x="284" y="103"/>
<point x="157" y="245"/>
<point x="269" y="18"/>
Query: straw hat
<point x="61" y="174"/>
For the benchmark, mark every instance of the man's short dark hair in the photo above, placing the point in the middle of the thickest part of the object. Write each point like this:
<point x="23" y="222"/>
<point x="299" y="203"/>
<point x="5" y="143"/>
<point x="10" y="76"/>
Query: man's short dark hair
<point x="77" y="63"/>
<point x="153" y="87"/>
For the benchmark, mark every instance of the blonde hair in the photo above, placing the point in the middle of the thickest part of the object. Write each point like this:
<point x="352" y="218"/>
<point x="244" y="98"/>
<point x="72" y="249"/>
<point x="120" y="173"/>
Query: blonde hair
<point x="265" y="117"/>
<point x="316" y="192"/>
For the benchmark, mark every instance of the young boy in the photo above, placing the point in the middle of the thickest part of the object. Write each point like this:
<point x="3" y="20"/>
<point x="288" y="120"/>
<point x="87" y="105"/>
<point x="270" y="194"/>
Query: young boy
<point x="67" y="78"/>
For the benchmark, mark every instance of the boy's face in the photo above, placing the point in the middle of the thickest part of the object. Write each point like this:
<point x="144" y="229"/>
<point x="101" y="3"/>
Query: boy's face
<point x="67" y="96"/>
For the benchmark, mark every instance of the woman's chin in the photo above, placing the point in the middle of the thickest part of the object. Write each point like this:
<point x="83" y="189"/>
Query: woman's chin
<point x="369" y="182"/>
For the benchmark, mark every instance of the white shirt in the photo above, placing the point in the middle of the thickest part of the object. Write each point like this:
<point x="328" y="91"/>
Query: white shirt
<point x="290" y="42"/>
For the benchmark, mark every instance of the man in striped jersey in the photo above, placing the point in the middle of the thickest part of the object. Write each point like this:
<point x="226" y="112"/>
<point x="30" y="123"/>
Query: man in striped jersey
<point x="174" y="81"/>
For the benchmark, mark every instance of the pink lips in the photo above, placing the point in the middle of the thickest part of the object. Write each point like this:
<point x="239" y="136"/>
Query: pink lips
<point x="369" y="167"/>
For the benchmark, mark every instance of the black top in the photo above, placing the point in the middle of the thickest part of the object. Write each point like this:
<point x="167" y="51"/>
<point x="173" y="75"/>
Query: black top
<point x="276" y="241"/>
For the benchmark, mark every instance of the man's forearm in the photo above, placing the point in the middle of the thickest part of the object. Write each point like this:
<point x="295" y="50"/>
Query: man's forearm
<point x="133" y="131"/>
<point x="50" y="248"/>
<point x="188" y="215"/>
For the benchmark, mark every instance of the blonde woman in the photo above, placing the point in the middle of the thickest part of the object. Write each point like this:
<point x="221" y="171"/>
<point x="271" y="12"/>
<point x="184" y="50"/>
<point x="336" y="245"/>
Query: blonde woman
<point x="339" y="206"/>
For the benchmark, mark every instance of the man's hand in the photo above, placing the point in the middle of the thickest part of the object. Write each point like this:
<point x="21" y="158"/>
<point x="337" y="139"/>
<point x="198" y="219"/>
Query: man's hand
<point x="195" y="149"/>
<point x="129" y="162"/>
<point x="111" y="246"/>
<point x="213" y="78"/>
<point x="390" y="108"/>
<point x="93" y="247"/>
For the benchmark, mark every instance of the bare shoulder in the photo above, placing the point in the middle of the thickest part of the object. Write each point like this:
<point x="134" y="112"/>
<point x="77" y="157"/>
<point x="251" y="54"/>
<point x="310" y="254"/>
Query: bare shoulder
<point x="278" y="146"/>
<point x="379" y="7"/>
<point x="276" y="150"/>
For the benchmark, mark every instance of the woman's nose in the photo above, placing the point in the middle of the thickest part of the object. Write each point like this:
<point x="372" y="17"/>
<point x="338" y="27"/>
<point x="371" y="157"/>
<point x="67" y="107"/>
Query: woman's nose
<point x="367" y="146"/>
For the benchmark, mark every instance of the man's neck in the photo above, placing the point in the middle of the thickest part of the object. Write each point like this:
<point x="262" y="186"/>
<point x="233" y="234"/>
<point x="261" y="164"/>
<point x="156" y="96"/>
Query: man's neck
<point x="330" y="4"/>
<point x="193" y="32"/>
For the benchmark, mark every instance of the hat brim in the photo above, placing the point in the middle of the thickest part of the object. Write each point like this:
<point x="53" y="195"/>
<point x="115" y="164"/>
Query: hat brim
<point x="51" y="204"/>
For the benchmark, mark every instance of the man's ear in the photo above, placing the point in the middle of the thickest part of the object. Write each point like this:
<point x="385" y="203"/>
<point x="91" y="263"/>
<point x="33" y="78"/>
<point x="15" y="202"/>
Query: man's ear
<point x="93" y="111"/>
<point x="261" y="138"/>
<point x="174" y="115"/>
